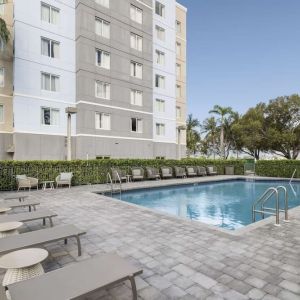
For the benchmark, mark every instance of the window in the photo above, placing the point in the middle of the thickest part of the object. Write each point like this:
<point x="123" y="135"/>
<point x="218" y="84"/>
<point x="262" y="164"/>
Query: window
<point x="178" y="49"/>
<point x="102" y="59"/>
<point x="178" y="112"/>
<point x="49" y="14"/>
<point x="49" y="48"/>
<point x="102" y="121"/>
<point x="136" y="42"/>
<point x="136" y="14"/>
<point x="50" y="82"/>
<point x="160" y="57"/>
<point x="102" y="28"/>
<point x="178" y="70"/>
<point x="136" y="125"/>
<point x="1" y="113"/>
<point x="1" y="77"/>
<point x="136" y="70"/>
<point x="178" y="90"/>
<point x="104" y="3"/>
<point x="50" y="116"/>
<point x="102" y="90"/>
<point x="160" y="157"/>
<point x="160" y="33"/>
<point x="159" y="81"/>
<point x="159" y="9"/>
<point x="160" y="105"/>
<point x="178" y="26"/>
<point x="136" y="97"/>
<point x="102" y="157"/>
<point x="160" y="129"/>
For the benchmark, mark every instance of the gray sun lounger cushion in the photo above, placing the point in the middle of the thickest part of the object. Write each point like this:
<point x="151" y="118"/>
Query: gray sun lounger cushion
<point x="14" y="204"/>
<point x="39" y="237"/>
<point x="17" y="197"/>
<point x="29" y="216"/>
<point x="77" y="280"/>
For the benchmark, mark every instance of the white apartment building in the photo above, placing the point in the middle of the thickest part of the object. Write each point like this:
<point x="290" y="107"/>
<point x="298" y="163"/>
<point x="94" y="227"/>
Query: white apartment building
<point x="44" y="76"/>
<point x="164" y="77"/>
<point x="115" y="61"/>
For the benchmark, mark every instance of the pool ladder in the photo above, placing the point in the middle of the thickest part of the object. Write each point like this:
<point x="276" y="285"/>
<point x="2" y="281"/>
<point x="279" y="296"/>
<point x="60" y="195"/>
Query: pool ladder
<point x="109" y="182"/>
<point x="267" y="195"/>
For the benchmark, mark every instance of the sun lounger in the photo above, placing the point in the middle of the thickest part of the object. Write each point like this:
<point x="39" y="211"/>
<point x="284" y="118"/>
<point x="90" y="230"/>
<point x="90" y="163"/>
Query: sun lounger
<point x="39" y="237"/>
<point x="30" y="216"/>
<point x="201" y="171"/>
<point x="191" y="172"/>
<point x="17" y="197"/>
<point x="152" y="173"/>
<point x="166" y="172"/>
<point x="137" y="173"/>
<point x="180" y="172"/>
<point x="77" y="280"/>
<point x="211" y="170"/>
<point x="118" y="175"/>
<point x="14" y="204"/>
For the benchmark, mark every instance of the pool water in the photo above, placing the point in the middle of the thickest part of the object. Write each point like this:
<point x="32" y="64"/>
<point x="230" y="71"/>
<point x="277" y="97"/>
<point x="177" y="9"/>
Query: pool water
<point x="226" y="204"/>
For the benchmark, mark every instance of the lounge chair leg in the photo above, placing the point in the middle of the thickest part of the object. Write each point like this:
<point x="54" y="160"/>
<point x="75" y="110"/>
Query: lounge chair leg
<point x="34" y="208"/>
<point x="78" y="245"/>
<point x="66" y="241"/>
<point x="44" y="221"/>
<point x="29" y="208"/>
<point x="133" y="286"/>
<point x="51" y="222"/>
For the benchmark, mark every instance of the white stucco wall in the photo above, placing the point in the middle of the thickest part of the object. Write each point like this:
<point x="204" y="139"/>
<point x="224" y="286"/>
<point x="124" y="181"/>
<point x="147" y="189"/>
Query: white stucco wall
<point x="29" y="63"/>
<point x="168" y="70"/>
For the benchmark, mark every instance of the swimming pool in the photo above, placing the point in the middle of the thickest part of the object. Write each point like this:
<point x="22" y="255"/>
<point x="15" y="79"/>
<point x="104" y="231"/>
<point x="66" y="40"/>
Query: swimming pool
<point x="226" y="204"/>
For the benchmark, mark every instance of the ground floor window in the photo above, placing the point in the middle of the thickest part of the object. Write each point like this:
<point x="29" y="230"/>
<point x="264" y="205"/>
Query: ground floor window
<point x="50" y="116"/>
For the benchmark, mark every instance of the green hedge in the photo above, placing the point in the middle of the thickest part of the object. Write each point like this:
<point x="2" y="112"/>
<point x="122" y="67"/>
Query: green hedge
<point x="278" y="168"/>
<point x="94" y="171"/>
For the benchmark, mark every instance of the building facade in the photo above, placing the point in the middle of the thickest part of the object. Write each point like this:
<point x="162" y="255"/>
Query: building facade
<point x="115" y="61"/>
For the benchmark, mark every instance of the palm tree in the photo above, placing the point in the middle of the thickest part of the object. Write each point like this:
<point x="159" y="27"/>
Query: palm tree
<point x="192" y="135"/>
<point x="222" y="112"/>
<point x="209" y="127"/>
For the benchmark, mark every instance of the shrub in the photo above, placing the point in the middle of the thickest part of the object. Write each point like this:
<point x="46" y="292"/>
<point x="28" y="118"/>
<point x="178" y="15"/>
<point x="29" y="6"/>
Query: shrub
<point x="95" y="171"/>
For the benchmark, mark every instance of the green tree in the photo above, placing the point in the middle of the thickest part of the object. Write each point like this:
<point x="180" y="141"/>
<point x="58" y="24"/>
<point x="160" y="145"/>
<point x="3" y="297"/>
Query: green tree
<point x="282" y="117"/>
<point x="222" y="112"/>
<point x="249" y="132"/>
<point x="193" y="137"/>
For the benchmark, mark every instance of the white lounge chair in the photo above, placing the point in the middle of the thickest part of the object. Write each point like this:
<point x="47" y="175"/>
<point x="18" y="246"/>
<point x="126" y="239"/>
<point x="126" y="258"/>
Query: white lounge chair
<point x="24" y="182"/>
<point x="64" y="179"/>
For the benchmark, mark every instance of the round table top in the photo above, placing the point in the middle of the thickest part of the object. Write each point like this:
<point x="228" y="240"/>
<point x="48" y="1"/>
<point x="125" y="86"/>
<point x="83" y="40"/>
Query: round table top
<point x="10" y="226"/>
<point x="23" y="258"/>
<point x="47" y="181"/>
<point x="4" y="209"/>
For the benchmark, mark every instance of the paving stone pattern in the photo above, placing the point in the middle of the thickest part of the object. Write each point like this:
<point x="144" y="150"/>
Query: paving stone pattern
<point x="181" y="259"/>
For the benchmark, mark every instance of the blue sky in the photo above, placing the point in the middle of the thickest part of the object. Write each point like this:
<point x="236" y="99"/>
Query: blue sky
<point x="241" y="52"/>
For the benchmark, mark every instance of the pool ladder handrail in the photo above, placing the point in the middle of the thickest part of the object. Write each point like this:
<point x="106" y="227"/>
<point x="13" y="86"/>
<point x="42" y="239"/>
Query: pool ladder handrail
<point x="285" y="209"/>
<point x="110" y="182"/>
<point x="268" y="210"/>
<point x="294" y="173"/>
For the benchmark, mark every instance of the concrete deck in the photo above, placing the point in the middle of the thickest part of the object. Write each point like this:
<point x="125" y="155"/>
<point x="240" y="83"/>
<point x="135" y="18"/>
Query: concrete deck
<point x="181" y="259"/>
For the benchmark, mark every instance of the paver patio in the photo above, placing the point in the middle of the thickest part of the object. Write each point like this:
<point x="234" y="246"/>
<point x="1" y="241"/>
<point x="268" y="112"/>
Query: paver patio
<point x="181" y="259"/>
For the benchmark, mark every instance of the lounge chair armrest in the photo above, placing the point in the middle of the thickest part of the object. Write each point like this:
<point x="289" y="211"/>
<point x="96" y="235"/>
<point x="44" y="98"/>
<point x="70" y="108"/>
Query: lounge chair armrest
<point x="33" y="180"/>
